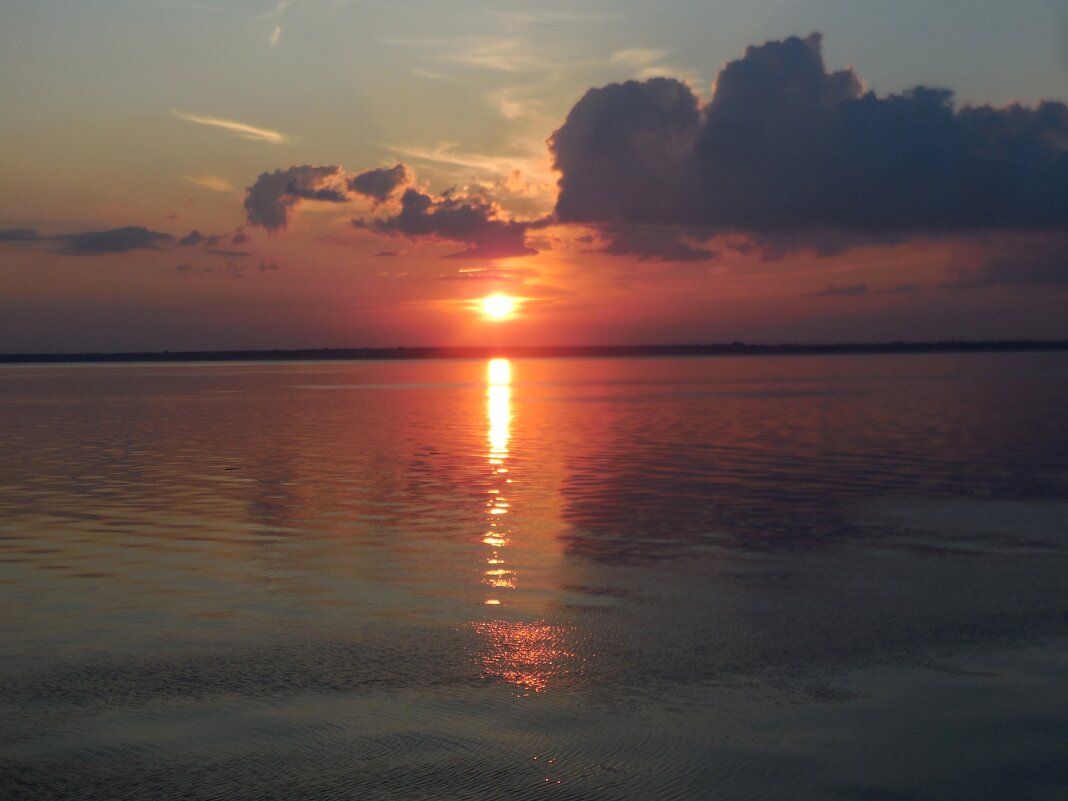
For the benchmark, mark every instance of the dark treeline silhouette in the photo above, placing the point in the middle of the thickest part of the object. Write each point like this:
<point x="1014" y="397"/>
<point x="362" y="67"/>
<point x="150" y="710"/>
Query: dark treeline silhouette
<point x="583" y="351"/>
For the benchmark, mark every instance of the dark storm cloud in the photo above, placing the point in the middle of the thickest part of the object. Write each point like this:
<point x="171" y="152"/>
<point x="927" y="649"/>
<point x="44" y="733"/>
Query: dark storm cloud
<point x="270" y="200"/>
<point x="786" y="146"/>
<point x="472" y="220"/>
<point x="380" y="184"/>
<point x="653" y="243"/>
<point x="625" y="151"/>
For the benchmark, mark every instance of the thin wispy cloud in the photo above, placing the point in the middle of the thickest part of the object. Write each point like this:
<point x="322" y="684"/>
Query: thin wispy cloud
<point x="241" y="129"/>
<point x="276" y="14"/>
<point x="512" y="103"/>
<point x="523" y="175"/>
<point x="647" y="62"/>
<point x="637" y="57"/>
<point x="502" y="55"/>
<point x="527" y="18"/>
<point x="431" y="76"/>
<point x="670" y="71"/>
<point x="212" y="182"/>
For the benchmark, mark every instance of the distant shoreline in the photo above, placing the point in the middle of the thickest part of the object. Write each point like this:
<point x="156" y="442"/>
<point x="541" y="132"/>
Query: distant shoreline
<point x="582" y="351"/>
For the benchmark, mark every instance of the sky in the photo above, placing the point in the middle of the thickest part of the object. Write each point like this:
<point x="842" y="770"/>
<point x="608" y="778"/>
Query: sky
<point x="186" y="174"/>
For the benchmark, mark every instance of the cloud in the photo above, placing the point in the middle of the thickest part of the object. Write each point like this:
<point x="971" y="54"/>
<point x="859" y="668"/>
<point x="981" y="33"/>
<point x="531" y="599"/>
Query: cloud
<point x="493" y="275"/>
<point x="116" y="240"/>
<point x="431" y="76"/>
<point x="19" y="235"/>
<point x="625" y="153"/>
<point x="470" y="219"/>
<point x="212" y="182"/>
<point x="851" y="291"/>
<point x="93" y="243"/>
<point x="501" y="54"/>
<point x="192" y="238"/>
<point x="653" y="242"/>
<point x="271" y="199"/>
<point x="1035" y="259"/>
<point x="386" y="254"/>
<point x="505" y="165"/>
<point x="238" y="128"/>
<point x="786" y="147"/>
<point x="637" y="57"/>
<point x="380" y="184"/>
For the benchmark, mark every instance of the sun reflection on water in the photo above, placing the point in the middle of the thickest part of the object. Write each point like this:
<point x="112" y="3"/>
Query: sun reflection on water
<point x="526" y="654"/>
<point x="499" y="413"/>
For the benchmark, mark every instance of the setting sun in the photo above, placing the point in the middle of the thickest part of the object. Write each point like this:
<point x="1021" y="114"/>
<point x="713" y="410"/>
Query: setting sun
<point x="498" y="307"/>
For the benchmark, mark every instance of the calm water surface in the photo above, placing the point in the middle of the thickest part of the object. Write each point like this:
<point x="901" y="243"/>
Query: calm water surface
<point x="796" y="578"/>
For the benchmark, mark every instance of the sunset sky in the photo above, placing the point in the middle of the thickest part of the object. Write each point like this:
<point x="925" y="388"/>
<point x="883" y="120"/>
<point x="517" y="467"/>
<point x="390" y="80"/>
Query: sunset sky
<point x="184" y="174"/>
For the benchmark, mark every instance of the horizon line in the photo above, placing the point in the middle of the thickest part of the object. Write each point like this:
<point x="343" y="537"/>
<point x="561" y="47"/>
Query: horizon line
<point x="734" y="348"/>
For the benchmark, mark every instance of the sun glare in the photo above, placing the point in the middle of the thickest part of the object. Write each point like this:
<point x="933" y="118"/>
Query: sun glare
<point x="498" y="307"/>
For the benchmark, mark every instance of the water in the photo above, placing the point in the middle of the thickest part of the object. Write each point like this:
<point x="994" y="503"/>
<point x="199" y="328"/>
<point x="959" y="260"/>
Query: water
<point x="798" y="578"/>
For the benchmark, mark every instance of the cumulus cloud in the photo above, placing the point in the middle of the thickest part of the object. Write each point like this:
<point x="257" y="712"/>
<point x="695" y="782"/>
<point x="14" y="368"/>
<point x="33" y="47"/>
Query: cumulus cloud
<point x="470" y="219"/>
<point x="271" y="199"/>
<point x="625" y="153"/>
<point x="785" y="146"/>
<point x="380" y="184"/>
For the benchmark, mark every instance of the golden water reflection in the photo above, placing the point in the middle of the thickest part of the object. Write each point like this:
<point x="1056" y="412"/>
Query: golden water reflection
<point x="499" y="414"/>
<point x="526" y="654"/>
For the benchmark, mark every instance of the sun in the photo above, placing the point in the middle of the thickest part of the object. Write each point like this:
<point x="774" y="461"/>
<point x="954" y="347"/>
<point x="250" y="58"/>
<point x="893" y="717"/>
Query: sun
<point x="498" y="307"/>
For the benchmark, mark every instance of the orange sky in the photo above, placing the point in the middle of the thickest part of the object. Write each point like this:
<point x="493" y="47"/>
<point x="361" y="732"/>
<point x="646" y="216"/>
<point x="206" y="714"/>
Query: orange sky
<point x="111" y="169"/>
